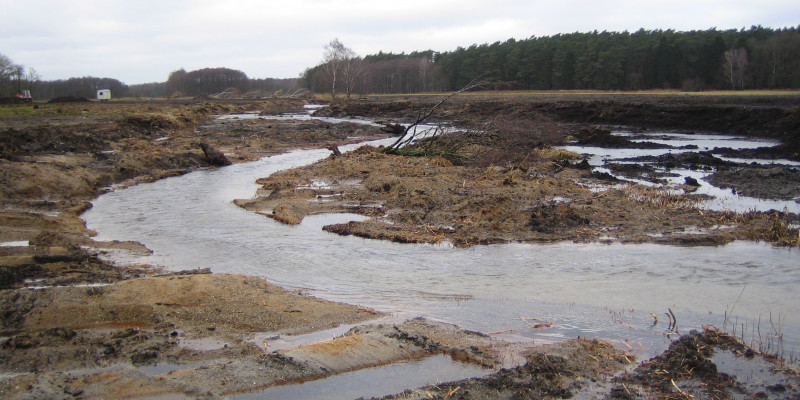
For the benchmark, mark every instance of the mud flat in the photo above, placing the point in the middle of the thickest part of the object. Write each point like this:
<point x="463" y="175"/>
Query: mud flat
<point x="75" y="326"/>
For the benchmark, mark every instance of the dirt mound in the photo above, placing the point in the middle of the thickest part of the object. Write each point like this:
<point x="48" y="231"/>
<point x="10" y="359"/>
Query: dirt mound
<point x="48" y="139"/>
<point x="720" y="115"/>
<point x="552" y="218"/>
<point x="150" y="122"/>
<point x="762" y="182"/>
<point x="14" y="100"/>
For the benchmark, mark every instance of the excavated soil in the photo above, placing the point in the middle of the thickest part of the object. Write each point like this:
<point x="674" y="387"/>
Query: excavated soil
<point x="74" y="326"/>
<point x="505" y="183"/>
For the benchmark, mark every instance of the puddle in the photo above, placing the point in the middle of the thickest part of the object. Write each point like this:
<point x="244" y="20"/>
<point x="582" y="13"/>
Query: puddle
<point x="20" y="243"/>
<point x="755" y="375"/>
<point x="273" y="341"/>
<point x="376" y="382"/>
<point x="33" y="211"/>
<point x="721" y="199"/>
<point x="700" y="141"/>
<point x="83" y="285"/>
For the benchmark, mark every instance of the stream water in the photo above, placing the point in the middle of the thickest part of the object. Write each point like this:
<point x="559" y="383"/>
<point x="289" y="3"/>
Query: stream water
<point x="605" y="291"/>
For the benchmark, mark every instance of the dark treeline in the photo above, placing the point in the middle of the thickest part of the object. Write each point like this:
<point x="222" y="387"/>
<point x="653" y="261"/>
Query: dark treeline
<point x="205" y="81"/>
<point x="214" y="80"/>
<point x="755" y="58"/>
<point x="78" y="87"/>
<point x="14" y="78"/>
<point x="383" y="73"/>
<point x="758" y="58"/>
<point x="390" y="73"/>
<point x="180" y="83"/>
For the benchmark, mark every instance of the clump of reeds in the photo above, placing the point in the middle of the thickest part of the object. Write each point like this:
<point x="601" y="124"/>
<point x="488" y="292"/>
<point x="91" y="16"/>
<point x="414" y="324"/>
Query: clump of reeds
<point x="780" y="232"/>
<point x="550" y="153"/>
<point x="337" y="345"/>
<point x="661" y="198"/>
<point x="767" y="341"/>
<point x="772" y="227"/>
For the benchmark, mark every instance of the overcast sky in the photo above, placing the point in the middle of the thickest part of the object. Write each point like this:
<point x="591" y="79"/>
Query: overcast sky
<point x="138" y="41"/>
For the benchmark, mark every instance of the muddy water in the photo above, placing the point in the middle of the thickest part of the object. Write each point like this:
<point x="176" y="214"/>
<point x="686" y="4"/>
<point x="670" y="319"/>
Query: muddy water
<point x="620" y="293"/>
<point x="722" y="199"/>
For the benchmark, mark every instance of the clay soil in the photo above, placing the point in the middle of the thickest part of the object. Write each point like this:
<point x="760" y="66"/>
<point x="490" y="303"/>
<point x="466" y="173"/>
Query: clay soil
<point x="75" y="326"/>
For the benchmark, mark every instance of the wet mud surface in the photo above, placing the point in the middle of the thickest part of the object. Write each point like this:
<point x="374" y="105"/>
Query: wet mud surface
<point x="75" y="326"/>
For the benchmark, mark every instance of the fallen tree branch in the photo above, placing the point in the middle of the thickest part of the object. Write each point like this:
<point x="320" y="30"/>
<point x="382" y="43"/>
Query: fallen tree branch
<point x="407" y="138"/>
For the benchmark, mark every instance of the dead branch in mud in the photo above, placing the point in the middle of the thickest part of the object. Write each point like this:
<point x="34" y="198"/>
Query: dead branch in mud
<point x="333" y="148"/>
<point x="673" y="322"/>
<point x="214" y="156"/>
<point x="411" y="133"/>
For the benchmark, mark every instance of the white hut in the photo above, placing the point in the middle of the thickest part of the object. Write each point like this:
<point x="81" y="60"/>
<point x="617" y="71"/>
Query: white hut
<point x="104" y="94"/>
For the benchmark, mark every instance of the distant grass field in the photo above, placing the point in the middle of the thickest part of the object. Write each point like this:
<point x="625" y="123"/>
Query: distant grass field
<point x="20" y="109"/>
<point x="50" y="109"/>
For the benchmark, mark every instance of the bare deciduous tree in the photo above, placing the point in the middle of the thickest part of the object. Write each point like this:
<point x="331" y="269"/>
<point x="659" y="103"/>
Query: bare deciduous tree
<point x="735" y="67"/>
<point x="8" y="70"/>
<point x="7" y="67"/>
<point x="32" y="76"/>
<point x="425" y="73"/>
<point x="352" y="73"/>
<point x="334" y="59"/>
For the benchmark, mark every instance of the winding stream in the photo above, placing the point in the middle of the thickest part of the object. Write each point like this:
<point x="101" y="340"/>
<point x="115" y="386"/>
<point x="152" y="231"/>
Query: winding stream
<point x="604" y="291"/>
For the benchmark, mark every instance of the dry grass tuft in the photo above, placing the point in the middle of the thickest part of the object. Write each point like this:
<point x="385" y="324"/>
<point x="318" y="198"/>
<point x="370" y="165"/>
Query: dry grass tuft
<point x="557" y="154"/>
<point x="337" y="345"/>
<point x="660" y="198"/>
<point x="772" y="228"/>
<point x="441" y="162"/>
